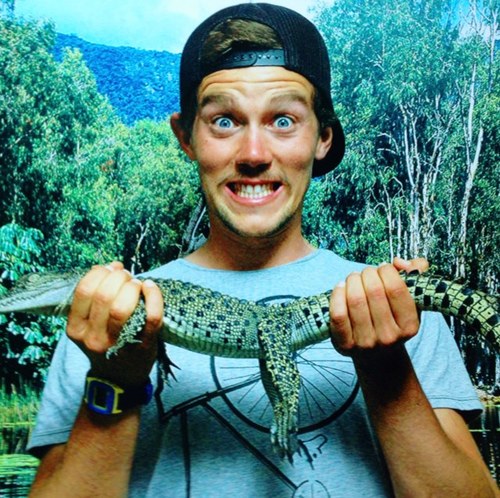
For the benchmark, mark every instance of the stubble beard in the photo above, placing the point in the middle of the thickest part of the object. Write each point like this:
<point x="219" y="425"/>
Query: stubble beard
<point x="284" y="222"/>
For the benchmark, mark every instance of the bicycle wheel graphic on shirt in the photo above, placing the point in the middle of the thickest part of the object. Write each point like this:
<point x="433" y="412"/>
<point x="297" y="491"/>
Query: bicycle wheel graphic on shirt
<point x="328" y="387"/>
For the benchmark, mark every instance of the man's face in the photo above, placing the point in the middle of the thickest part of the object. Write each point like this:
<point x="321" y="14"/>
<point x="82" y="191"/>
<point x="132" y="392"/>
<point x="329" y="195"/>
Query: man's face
<point x="255" y="137"/>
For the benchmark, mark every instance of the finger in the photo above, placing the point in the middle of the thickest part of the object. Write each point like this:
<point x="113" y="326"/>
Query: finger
<point x="82" y="300"/>
<point x="115" y="265"/>
<point x="359" y="312"/>
<point x="385" y="327"/>
<point x="154" y="309"/>
<point x="104" y="298"/>
<point x="419" y="264"/>
<point x="401" y="303"/>
<point x="122" y="307"/>
<point x="340" y="325"/>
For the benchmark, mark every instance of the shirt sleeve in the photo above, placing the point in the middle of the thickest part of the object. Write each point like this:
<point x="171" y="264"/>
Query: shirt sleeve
<point x="440" y="368"/>
<point x="62" y="397"/>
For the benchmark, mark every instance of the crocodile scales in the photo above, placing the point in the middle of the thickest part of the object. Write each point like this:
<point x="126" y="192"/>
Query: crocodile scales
<point x="209" y="322"/>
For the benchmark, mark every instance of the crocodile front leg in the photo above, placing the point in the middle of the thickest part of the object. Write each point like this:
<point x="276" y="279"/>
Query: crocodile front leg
<point x="281" y="381"/>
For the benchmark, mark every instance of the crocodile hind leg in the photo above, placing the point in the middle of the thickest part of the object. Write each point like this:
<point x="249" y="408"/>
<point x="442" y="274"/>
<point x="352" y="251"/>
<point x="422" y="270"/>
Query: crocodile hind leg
<point x="281" y="381"/>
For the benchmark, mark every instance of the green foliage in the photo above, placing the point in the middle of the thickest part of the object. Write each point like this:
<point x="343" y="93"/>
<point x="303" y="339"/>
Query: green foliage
<point x="96" y="189"/>
<point x="92" y="189"/>
<point x="47" y="111"/>
<point x="402" y="80"/>
<point x="18" y="408"/>
<point x="414" y="86"/>
<point x="161" y="189"/>
<point x="127" y="195"/>
<point x="18" y="405"/>
<point x="26" y="342"/>
<point x="19" y="251"/>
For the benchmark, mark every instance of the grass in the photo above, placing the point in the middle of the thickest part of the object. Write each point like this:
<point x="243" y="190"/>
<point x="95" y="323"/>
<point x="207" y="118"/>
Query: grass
<point x="18" y="408"/>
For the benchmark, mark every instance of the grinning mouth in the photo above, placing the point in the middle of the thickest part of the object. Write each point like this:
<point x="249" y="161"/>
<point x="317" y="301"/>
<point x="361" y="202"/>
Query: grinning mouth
<point x="258" y="191"/>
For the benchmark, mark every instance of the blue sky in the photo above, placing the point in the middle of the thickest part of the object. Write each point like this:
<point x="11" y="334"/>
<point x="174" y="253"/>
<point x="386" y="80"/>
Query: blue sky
<point x="148" y="24"/>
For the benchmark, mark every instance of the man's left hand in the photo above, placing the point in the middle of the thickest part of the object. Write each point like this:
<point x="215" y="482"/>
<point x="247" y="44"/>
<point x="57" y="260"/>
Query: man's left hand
<point x="373" y="311"/>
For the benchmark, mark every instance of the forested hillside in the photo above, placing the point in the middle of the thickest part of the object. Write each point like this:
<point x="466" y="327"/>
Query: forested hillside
<point x="140" y="84"/>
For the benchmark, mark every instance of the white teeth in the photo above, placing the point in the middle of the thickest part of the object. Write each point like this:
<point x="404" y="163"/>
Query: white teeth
<point x="253" y="191"/>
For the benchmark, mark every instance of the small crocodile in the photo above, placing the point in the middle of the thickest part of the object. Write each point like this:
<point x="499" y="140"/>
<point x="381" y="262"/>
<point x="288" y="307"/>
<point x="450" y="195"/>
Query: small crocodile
<point x="209" y="322"/>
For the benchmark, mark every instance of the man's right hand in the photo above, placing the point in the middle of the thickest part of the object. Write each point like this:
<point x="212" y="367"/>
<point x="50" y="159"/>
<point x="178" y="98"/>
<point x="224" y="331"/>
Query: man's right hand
<point x="103" y="301"/>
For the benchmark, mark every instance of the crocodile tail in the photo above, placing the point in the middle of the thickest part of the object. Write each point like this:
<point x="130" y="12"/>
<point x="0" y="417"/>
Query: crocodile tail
<point x="452" y="298"/>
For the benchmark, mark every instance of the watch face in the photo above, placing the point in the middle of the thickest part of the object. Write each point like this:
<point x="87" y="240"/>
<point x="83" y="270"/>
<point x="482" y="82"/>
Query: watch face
<point x="107" y="398"/>
<point x="102" y="397"/>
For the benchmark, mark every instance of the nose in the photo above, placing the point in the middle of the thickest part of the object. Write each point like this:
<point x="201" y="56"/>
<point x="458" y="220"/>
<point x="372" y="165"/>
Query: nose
<point x="254" y="154"/>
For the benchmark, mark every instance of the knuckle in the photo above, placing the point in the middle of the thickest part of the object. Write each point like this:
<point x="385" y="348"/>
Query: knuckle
<point x="154" y="322"/>
<point x="337" y="320"/>
<point x="377" y="293"/>
<point x="72" y="329"/>
<point x="356" y="302"/>
<point x="369" y="272"/>
<point x="373" y="285"/>
<point x="397" y="291"/>
<point x="338" y="314"/>
<point x="410" y="327"/>
<point x="388" y="338"/>
<point x="84" y="290"/>
<point x="101" y="298"/>
<point x="95" y="344"/>
<point x="366" y="343"/>
<point x="343" y="345"/>
<point x="119" y="313"/>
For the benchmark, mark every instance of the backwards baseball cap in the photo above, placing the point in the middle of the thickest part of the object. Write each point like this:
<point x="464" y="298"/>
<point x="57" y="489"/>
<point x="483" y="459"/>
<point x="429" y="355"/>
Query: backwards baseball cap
<point x="304" y="52"/>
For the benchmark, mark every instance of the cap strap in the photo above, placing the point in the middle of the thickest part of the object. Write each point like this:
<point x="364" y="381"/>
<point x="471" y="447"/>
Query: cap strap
<point x="246" y="58"/>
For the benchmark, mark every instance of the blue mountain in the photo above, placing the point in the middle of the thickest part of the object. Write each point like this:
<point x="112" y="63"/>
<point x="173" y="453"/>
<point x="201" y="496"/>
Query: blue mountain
<point x="140" y="84"/>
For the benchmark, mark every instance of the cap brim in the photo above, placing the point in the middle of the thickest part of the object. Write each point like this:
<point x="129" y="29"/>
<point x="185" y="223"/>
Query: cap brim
<point x="334" y="155"/>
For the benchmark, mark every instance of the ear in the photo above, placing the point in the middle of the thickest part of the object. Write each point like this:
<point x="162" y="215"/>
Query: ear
<point x="324" y="143"/>
<point x="183" y="137"/>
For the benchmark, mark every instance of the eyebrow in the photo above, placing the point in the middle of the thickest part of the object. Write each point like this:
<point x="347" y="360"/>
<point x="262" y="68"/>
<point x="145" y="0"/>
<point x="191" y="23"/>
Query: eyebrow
<point x="289" y="97"/>
<point x="216" y="98"/>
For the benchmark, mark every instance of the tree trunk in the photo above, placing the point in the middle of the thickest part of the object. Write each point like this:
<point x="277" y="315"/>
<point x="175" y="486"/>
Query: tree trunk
<point x="473" y="151"/>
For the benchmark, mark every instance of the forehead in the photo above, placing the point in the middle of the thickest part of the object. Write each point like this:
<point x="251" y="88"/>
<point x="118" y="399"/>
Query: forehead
<point x="267" y="80"/>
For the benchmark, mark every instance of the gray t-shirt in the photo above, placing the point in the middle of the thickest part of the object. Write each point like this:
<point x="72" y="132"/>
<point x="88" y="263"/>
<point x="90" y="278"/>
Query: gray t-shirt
<point x="208" y="437"/>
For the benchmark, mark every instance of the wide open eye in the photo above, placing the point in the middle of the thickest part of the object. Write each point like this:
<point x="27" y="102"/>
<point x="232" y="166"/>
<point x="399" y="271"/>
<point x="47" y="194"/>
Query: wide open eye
<point x="224" y="122"/>
<point x="283" y="122"/>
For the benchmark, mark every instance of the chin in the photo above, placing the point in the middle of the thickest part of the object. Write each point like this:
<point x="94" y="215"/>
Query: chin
<point x="259" y="230"/>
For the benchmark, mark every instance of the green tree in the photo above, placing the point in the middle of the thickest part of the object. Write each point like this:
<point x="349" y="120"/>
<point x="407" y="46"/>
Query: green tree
<point x="414" y="89"/>
<point x="414" y="86"/>
<point x="26" y="342"/>
<point x="129" y="198"/>
<point x="160" y="189"/>
<point x="91" y="189"/>
<point x="47" y="111"/>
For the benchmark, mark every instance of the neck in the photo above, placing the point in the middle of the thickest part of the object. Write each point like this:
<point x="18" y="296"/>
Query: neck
<point x="232" y="252"/>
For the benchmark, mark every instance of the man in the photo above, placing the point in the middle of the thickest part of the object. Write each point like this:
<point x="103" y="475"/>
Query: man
<point x="257" y="116"/>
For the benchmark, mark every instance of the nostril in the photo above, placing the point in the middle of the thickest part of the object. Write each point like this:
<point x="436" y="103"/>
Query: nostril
<point x="252" y="169"/>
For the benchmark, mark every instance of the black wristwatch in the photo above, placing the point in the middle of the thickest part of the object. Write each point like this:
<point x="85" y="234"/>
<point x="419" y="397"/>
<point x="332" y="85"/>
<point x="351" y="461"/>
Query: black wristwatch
<point x="107" y="398"/>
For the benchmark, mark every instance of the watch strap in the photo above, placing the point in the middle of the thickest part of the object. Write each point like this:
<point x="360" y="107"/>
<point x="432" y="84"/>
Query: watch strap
<point x="107" y="398"/>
